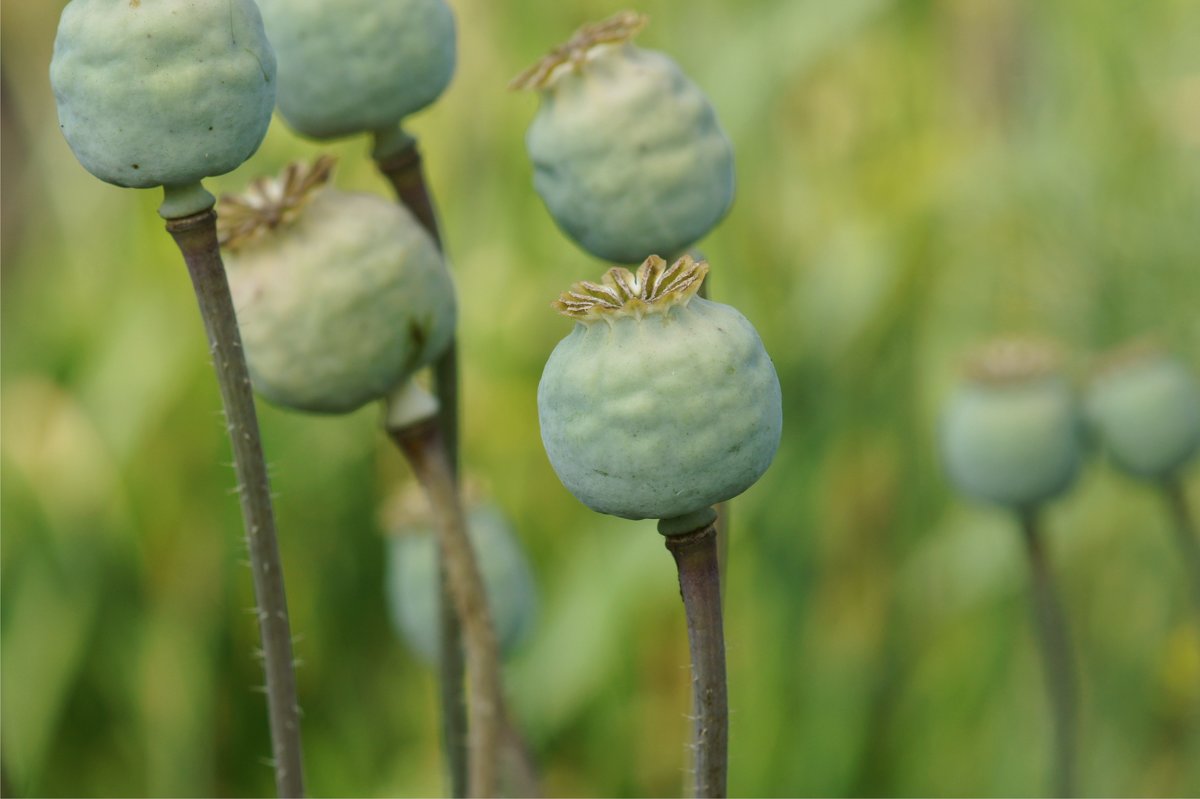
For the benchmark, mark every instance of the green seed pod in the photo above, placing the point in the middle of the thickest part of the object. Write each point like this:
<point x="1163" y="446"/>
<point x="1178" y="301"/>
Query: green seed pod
<point x="627" y="152"/>
<point x="1010" y="434"/>
<point x="358" y="65"/>
<point x="153" y="93"/>
<point x="414" y="598"/>
<point x="659" y="404"/>
<point x="341" y="297"/>
<point x="1145" y="405"/>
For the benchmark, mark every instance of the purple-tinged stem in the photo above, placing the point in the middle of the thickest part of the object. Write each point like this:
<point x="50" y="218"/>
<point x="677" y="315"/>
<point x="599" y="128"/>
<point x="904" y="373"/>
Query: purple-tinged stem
<point x="196" y="236"/>
<point x="695" y="555"/>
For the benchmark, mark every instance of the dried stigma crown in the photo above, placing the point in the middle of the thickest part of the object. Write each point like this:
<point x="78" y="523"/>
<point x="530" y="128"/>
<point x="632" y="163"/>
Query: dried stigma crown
<point x="1133" y="353"/>
<point x="1009" y="361"/>
<point x="655" y="288"/>
<point x="268" y="203"/>
<point x="574" y="52"/>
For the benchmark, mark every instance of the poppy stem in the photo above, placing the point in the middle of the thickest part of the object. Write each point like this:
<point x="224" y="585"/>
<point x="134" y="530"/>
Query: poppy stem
<point x="695" y="556"/>
<point x="399" y="160"/>
<point x="196" y="235"/>
<point x="1185" y="533"/>
<point x="1054" y="642"/>
<point x="422" y="445"/>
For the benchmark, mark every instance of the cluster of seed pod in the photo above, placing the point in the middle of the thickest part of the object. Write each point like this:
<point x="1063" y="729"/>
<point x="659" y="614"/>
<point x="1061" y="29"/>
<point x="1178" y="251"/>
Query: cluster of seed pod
<point x="658" y="405"/>
<point x="1015" y="435"/>
<point x="1016" y="432"/>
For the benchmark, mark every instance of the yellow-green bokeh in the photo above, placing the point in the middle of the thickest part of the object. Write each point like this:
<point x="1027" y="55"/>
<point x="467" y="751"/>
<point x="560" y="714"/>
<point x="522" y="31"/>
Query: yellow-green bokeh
<point x="913" y="177"/>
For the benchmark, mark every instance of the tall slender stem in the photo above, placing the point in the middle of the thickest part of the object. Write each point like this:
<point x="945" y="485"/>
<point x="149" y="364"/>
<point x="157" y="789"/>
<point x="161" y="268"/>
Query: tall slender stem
<point x="403" y="170"/>
<point x="699" y="584"/>
<point x="196" y="236"/>
<point x="1185" y="533"/>
<point x="452" y="695"/>
<point x="1054" y="641"/>
<point x="423" y="446"/>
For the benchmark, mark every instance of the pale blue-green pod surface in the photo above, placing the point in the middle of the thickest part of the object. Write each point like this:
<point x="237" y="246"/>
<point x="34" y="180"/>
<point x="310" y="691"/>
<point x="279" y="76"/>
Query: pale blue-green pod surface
<point x="342" y="305"/>
<point x="414" y="598"/>
<point x="162" y="92"/>
<point x="660" y="415"/>
<point x="1015" y="444"/>
<point x="1147" y="412"/>
<point x="354" y="66"/>
<point x="629" y="157"/>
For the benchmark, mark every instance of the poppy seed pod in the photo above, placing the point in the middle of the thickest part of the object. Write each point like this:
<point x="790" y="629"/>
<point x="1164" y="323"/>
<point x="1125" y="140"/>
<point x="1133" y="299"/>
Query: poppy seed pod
<point x="162" y="93"/>
<point x="627" y="152"/>
<point x="659" y="404"/>
<point x="341" y="296"/>
<point x="356" y="66"/>
<point x="414" y="595"/>
<point x="1010" y="434"/>
<point x="1145" y="405"/>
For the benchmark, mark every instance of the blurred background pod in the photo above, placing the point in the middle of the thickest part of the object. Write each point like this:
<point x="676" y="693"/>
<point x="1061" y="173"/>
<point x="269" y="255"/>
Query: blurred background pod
<point x="161" y="94"/>
<point x="910" y="177"/>
<point x="1144" y="405"/>
<point x="341" y="296"/>
<point x="414" y="600"/>
<point x="628" y="154"/>
<point x="1010" y="433"/>
<point x="358" y="66"/>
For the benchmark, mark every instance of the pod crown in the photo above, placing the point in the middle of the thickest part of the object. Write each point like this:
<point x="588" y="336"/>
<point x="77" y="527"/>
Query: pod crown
<point x="654" y="288"/>
<point x="617" y="29"/>
<point x="268" y="202"/>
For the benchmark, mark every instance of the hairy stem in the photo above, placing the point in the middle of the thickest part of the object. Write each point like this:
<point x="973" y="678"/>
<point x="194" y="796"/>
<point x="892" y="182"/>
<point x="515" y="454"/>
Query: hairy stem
<point x="699" y="584"/>
<point x="403" y="170"/>
<point x="1054" y="641"/>
<point x="423" y="446"/>
<point x="196" y="236"/>
<point x="1185" y="533"/>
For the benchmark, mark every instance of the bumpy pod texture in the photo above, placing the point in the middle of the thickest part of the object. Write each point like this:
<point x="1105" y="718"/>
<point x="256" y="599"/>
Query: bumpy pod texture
<point x="1010" y="435"/>
<point x="627" y="152"/>
<point x="658" y="404"/>
<point x="1146" y="409"/>
<point x="354" y="66"/>
<point x="340" y="296"/>
<point x="414" y="598"/>
<point x="162" y="92"/>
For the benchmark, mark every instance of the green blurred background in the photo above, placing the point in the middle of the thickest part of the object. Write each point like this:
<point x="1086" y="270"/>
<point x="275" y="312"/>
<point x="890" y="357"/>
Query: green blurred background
<point x="913" y="177"/>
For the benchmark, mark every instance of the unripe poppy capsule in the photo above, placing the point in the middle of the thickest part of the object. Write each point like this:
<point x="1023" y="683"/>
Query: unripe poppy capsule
<point x="627" y="152"/>
<point x="1145" y="405"/>
<point x="163" y="93"/>
<point x="341" y="296"/>
<point x="357" y="66"/>
<point x="659" y="404"/>
<point x="1010" y="434"/>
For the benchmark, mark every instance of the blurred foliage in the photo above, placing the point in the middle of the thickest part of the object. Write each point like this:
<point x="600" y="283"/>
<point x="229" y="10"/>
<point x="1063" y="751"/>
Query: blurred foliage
<point x="913" y="177"/>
